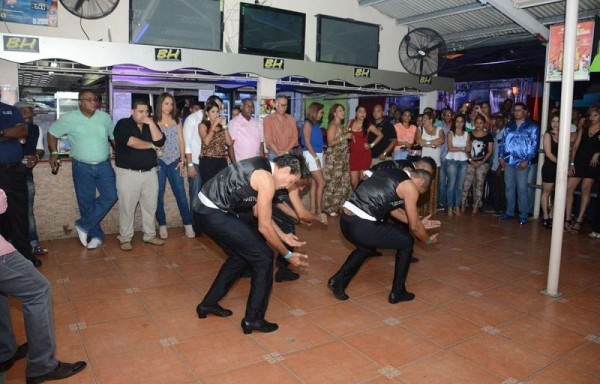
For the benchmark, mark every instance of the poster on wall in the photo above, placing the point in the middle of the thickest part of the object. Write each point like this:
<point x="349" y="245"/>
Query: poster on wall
<point x="36" y="12"/>
<point x="583" y="51"/>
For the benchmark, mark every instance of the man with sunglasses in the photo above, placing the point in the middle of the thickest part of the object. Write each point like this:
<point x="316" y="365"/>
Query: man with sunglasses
<point x="90" y="133"/>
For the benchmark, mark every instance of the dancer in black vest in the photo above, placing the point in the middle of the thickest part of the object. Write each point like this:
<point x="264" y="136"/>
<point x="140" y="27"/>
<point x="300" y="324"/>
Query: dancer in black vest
<point x="248" y="184"/>
<point x="364" y="223"/>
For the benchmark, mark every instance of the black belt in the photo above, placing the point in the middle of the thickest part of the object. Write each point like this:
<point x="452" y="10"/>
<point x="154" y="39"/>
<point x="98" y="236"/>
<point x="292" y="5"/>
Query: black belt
<point x="139" y="170"/>
<point x="10" y="165"/>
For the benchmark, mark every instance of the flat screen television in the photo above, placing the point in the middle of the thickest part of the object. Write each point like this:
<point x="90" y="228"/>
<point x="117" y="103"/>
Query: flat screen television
<point x="349" y="42"/>
<point x="268" y="31"/>
<point x="194" y="24"/>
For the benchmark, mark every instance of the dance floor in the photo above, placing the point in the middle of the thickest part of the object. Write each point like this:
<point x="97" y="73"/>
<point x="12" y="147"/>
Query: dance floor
<point x="478" y="316"/>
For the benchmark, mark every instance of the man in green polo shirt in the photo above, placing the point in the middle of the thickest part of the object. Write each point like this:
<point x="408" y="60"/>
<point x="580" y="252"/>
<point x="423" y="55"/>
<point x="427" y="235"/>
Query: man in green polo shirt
<point x="89" y="131"/>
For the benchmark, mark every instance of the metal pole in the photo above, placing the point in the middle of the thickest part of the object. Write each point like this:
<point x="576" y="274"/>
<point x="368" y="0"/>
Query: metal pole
<point x="566" y="102"/>
<point x="541" y="156"/>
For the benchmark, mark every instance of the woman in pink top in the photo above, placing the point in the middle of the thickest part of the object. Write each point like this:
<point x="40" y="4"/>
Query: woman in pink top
<point x="405" y="132"/>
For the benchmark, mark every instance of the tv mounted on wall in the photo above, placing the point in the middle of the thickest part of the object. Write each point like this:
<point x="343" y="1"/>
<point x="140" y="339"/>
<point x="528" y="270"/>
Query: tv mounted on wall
<point x="268" y="31"/>
<point x="349" y="42"/>
<point x="177" y="24"/>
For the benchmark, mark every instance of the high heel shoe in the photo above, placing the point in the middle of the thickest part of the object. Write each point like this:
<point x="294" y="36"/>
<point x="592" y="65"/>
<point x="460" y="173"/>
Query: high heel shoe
<point x="337" y="287"/>
<point x="261" y="325"/>
<point x="216" y="310"/>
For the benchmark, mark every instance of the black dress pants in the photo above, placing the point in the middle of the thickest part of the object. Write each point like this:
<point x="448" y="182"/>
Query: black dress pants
<point x="245" y="247"/>
<point x="14" y="224"/>
<point x="367" y="236"/>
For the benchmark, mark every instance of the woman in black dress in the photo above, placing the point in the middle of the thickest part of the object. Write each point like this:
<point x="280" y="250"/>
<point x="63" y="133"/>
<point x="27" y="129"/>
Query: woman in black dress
<point x="583" y="167"/>
<point x="549" y="168"/>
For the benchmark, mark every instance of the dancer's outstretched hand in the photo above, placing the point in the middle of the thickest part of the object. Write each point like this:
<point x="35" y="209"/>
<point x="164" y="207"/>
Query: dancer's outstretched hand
<point x="430" y="224"/>
<point x="292" y="240"/>
<point x="298" y="260"/>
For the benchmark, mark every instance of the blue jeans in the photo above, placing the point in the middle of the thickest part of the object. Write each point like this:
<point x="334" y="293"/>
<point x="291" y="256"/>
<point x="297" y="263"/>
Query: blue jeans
<point x="455" y="172"/>
<point x="33" y="236"/>
<point x="87" y="178"/>
<point x="442" y="186"/>
<point x="176" y="181"/>
<point x="20" y="279"/>
<point x="515" y="180"/>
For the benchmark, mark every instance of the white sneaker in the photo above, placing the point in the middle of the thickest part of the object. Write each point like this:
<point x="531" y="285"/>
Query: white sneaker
<point x="82" y="236"/>
<point x="595" y="235"/>
<point x="189" y="231"/>
<point x="94" y="243"/>
<point x="162" y="232"/>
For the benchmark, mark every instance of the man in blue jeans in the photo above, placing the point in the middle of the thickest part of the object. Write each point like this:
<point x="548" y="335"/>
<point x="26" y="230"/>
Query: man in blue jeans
<point x="20" y="279"/>
<point x="89" y="131"/>
<point x="518" y="147"/>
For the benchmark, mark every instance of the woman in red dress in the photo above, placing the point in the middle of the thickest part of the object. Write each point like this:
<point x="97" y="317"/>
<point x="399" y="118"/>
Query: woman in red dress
<point x="360" y="148"/>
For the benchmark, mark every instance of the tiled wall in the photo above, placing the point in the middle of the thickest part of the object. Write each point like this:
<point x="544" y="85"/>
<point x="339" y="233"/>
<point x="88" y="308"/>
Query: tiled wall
<point x="56" y="207"/>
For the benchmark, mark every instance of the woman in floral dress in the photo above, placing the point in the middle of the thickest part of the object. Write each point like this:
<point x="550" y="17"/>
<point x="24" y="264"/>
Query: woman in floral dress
<point x="337" y="164"/>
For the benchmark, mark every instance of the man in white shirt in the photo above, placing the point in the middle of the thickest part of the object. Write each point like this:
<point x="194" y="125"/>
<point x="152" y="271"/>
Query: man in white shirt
<point x="193" y="145"/>
<point x="247" y="133"/>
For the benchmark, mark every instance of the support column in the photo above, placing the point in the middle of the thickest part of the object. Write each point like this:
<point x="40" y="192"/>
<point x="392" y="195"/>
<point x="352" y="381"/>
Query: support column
<point x="566" y="102"/>
<point x="428" y="99"/>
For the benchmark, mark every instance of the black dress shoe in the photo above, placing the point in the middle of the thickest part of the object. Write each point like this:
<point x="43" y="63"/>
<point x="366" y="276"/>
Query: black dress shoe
<point x="395" y="298"/>
<point x="377" y="253"/>
<point x="258" y="325"/>
<point x="20" y="353"/>
<point x="284" y="274"/>
<point x="62" y="371"/>
<point x="35" y="261"/>
<point x="337" y="287"/>
<point x="217" y="310"/>
<point x="414" y="259"/>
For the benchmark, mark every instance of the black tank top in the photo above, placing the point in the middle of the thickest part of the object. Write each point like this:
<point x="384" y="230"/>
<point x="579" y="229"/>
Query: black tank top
<point x="377" y="195"/>
<point x="230" y="189"/>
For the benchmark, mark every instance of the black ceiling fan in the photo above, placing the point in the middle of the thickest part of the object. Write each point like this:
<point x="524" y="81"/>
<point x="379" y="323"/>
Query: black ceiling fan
<point x="422" y="52"/>
<point x="90" y="9"/>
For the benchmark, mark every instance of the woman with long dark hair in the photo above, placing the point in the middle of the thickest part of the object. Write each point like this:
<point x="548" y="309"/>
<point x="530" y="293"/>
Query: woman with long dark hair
<point x="549" y="167"/>
<point x="583" y="167"/>
<point x="337" y="166"/>
<point x="215" y="142"/>
<point x="456" y="164"/>
<point x="171" y="165"/>
<point x="360" y="148"/>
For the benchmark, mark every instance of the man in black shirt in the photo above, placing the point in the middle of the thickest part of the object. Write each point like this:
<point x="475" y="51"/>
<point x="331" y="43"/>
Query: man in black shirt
<point x="364" y="223"/>
<point x="385" y="147"/>
<point x="248" y="184"/>
<point x="136" y="139"/>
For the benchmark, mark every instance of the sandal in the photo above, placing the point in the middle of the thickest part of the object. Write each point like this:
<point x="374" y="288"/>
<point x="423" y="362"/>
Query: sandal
<point x="575" y="228"/>
<point x="567" y="226"/>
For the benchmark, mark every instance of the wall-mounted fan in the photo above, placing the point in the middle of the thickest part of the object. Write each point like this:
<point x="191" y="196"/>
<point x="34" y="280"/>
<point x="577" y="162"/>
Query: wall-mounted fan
<point x="90" y="9"/>
<point x="422" y="52"/>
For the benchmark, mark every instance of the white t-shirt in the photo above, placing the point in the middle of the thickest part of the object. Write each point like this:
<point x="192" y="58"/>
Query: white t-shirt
<point x="458" y="141"/>
<point x="191" y="136"/>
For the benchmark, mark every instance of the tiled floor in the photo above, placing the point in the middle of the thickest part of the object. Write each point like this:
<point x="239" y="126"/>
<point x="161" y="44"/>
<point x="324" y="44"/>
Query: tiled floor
<point x="478" y="316"/>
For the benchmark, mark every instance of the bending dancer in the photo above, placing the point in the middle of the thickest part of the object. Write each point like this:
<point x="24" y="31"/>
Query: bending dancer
<point x="247" y="184"/>
<point x="363" y="223"/>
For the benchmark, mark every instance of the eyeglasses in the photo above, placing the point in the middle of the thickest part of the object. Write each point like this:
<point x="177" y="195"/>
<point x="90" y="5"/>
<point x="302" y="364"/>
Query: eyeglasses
<point x="89" y="99"/>
<point x="281" y="105"/>
<point x="518" y="110"/>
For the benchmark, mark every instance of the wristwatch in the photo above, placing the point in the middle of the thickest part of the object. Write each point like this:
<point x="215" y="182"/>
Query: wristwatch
<point x="1" y="132"/>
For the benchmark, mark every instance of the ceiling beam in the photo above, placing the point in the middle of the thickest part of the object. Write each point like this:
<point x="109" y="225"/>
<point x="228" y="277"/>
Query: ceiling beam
<point x="561" y="18"/>
<point x="521" y="17"/>
<point x="465" y="35"/>
<point x="366" y="3"/>
<point x="442" y="13"/>
<point x="489" y="41"/>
